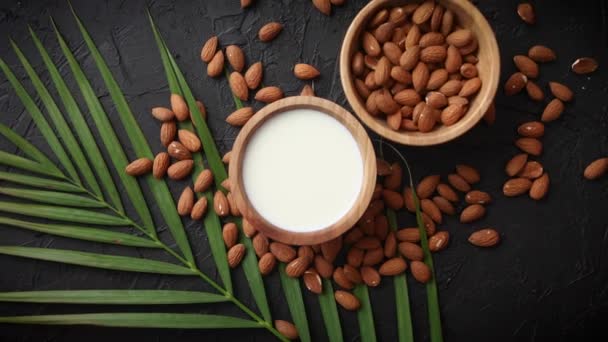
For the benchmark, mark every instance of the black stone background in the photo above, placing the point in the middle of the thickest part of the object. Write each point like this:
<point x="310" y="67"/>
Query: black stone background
<point x="548" y="279"/>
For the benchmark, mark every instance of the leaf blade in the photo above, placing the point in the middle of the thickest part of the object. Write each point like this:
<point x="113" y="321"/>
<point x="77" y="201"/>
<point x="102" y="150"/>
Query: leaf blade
<point x="52" y="197"/>
<point x="365" y="315"/>
<point x="293" y="294"/>
<point x="25" y="146"/>
<point x="329" y="311"/>
<point x="14" y="160"/>
<point x="117" y="297"/>
<point x="39" y="182"/>
<point x="95" y="260"/>
<point x="62" y="213"/>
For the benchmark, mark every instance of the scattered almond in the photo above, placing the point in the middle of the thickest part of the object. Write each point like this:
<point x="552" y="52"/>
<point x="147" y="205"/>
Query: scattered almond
<point x="235" y="255"/>
<point x="540" y="187"/>
<point x="266" y="263"/>
<point x="209" y="49"/>
<point x="561" y="91"/>
<point x="160" y="165"/>
<point x="240" y="116"/>
<point x="253" y="75"/>
<point x="410" y="250"/>
<point x="530" y="145"/>
<point x="168" y="130"/>
<point x="215" y="67"/>
<point x="313" y="281"/>
<point x="236" y="57"/>
<point x="178" y="151"/>
<point x="269" y="31"/>
<point x="472" y="213"/>
<point x="269" y="94"/>
<point x="238" y="86"/>
<point x="468" y="173"/>
<point x="420" y="271"/>
<point x="220" y="204"/>
<point x="526" y="13"/>
<point x="163" y="114"/>
<point x="185" y="202"/>
<point x="347" y="300"/>
<point x="305" y="71"/>
<point x="553" y="110"/>
<point x="596" y="169"/>
<point x="286" y="329"/>
<point x="393" y="267"/>
<point x="439" y="241"/>
<point x="139" y="167"/>
<point x="199" y="209"/>
<point x="283" y="252"/>
<point x="516" y="186"/>
<point x="526" y="65"/>
<point x="532" y="129"/>
<point x="515" y="83"/>
<point x="297" y="266"/>
<point x="484" y="238"/>
<point x="584" y="65"/>
<point x="230" y="234"/>
<point x="541" y="54"/>
<point x="260" y="244"/>
<point x="459" y="183"/>
<point x="370" y="276"/>
<point x="190" y="141"/>
<point x="516" y="164"/>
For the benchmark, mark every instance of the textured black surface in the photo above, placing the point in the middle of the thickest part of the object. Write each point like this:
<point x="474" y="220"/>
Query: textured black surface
<point x="548" y="279"/>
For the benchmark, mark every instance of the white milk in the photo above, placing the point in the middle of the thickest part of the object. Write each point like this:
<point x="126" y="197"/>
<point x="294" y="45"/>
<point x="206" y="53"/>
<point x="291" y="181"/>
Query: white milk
<point x="302" y="170"/>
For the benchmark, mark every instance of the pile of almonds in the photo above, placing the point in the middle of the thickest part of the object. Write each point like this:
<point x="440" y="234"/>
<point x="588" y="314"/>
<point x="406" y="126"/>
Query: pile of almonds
<point x="416" y="68"/>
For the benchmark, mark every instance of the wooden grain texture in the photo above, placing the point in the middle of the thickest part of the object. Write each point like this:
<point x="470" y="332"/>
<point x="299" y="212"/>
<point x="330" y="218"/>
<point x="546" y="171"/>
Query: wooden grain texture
<point x="488" y="67"/>
<point x="369" y="170"/>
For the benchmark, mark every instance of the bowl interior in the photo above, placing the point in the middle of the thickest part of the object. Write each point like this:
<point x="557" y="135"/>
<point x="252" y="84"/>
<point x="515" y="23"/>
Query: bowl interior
<point x="367" y="156"/>
<point x="468" y="16"/>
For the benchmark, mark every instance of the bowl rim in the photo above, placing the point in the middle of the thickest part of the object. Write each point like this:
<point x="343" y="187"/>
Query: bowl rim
<point x="368" y="158"/>
<point x="487" y="92"/>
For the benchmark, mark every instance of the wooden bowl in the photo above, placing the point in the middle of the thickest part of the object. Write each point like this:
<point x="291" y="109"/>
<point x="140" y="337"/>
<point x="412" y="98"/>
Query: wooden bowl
<point x="367" y="155"/>
<point x="488" y="68"/>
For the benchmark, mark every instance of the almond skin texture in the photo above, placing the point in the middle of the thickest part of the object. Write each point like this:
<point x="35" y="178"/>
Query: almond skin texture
<point x="540" y="187"/>
<point x="307" y="91"/>
<point x="411" y="251"/>
<point x="453" y="61"/>
<point x="526" y="65"/>
<point x="408" y="234"/>
<point x="139" y="167"/>
<point x="383" y="71"/>
<point x="447" y="192"/>
<point x="160" y="165"/>
<point x="341" y="279"/>
<point x="469" y="173"/>
<point x="470" y="87"/>
<point x="373" y="256"/>
<point x="220" y="204"/>
<point x="216" y="65"/>
<point x="282" y="252"/>
<point x="484" y="238"/>
<point x="420" y="271"/>
<point x="526" y="13"/>
<point x="324" y="267"/>
<point x="472" y="213"/>
<point x="392" y="199"/>
<point x="516" y="186"/>
<point x="266" y="263"/>
<point x="163" y="114"/>
<point x="203" y="181"/>
<point x="437" y="78"/>
<point x="420" y="76"/>
<point x="430" y="208"/>
<point x="209" y="49"/>
<point x="297" y="266"/>
<point x="516" y="164"/>
<point x="370" y="44"/>
<point x="459" y="183"/>
<point x="190" y="141"/>
<point x="269" y="94"/>
<point x="236" y="58"/>
<point x="199" y="209"/>
<point x="239" y="86"/>
<point x="553" y="110"/>
<point x="439" y="241"/>
<point x="168" y="130"/>
<point x="240" y="116"/>
<point x="248" y="229"/>
<point x="531" y="170"/>
<point x="384" y="32"/>
<point x="561" y="91"/>
<point x="515" y="83"/>
<point x="534" y="91"/>
<point x="541" y="54"/>
<point x="596" y="169"/>
<point x="451" y="114"/>
<point x="427" y="186"/>
<point x="352" y="274"/>
<point x="305" y="71"/>
<point x="260" y="244"/>
<point x="370" y="276"/>
<point x="236" y="254"/>
<point x="269" y="31"/>
<point x="185" y="202"/>
<point x="433" y="54"/>
<point x="532" y="129"/>
<point x="393" y="267"/>
<point x="451" y="88"/>
<point x="286" y="329"/>
<point x="423" y="12"/>
<point x="460" y="38"/>
<point x="178" y="151"/>
<point x="409" y="59"/>
<point x="313" y="281"/>
<point x="444" y="205"/>
<point x="230" y="234"/>
<point x="584" y="65"/>
<point x="347" y="300"/>
<point x="253" y="75"/>
<point x="477" y="197"/>
<point x="530" y="145"/>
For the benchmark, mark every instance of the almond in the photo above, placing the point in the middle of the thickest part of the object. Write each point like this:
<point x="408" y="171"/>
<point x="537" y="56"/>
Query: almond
<point x="484" y="238"/>
<point x="216" y="67"/>
<point x="436" y="99"/>
<point x="516" y="186"/>
<point x="469" y="173"/>
<point x="209" y="49"/>
<point x="439" y="241"/>
<point x="532" y="129"/>
<point x="472" y="213"/>
<point x="526" y="13"/>
<point x="596" y="169"/>
<point x="260" y="244"/>
<point x="393" y="267"/>
<point x="437" y="79"/>
<point x="446" y="192"/>
<point x="357" y="64"/>
<point x="203" y="181"/>
<point x="269" y="94"/>
<point x="306" y="251"/>
<point x="408" y="234"/>
<point x="390" y="245"/>
<point x="433" y="54"/>
<point x="409" y="125"/>
<point x="453" y="60"/>
<point x="408" y="199"/>
<point x="458" y="183"/>
<point x="515" y="83"/>
<point x="235" y="255"/>
<point x="240" y="116"/>
<point x="246" y="3"/>
<point x="383" y="71"/>
<point x="383" y="168"/>
<point x="347" y="300"/>
<point x="160" y="165"/>
<point x="584" y="65"/>
<point x="460" y="38"/>
<point x="313" y="281"/>
<point x="407" y="97"/>
<point x="427" y="186"/>
<point x="397" y="15"/>
<point x="429" y="224"/>
<point x="420" y="76"/>
<point x="297" y="267"/>
<point x="430" y="208"/>
<point x="331" y="248"/>
<point x="234" y="209"/>
<point x="385" y="102"/>
<point x="427" y="119"/>
<point x="469" y="48"/>
<point x="392" y="199"/>
<point x="307" y="91"/>
<point x="230" y="234"/>
<point x="384" y="32"/>
<point x="362" y="89"/>
<point x="451" y="88"/>
<point x="468" y="70"/>
<point x="370" y="62"/>
<point x="199" y="209"/>
<point x="451" y="114"/>
<point x="201" y="108"/>
<point x="368" y="242"/>
<point x="283" y="252"/>
<point x="185" y="202"/>
<point x="354" y="256"/>
<point x="236" y="58"/>
<point x="447" y="22"/>
<point x="470" y="87"/>
<point x="409" y="59"/>
<point x="526" y="65"/>
<point x="352" y="274"/>
<point x="531" y="170"/>
<point x="139" y="167"/>
<point x="534" y="91"/>
<point x="399" y="74"/>
<point x="459" y="100"/>
<point x="248" y="229"/>
<point x="393" y="121"/>
<point x="220" y="204"/>
<point x="239" y="86"/>
<point x="163" y="114"/>
<point x="530" y="145"/>
<point x="370" y="276"/>
<point x="168" y="130"/>
<point x="305" y="71"/>
<point x="392" y="52"/>
<point x="420" y="271"/>
<point x="269" y="31"/>
<point x="540" y="187"/>
<point x="286" y="329"/>
<point x="411" y="251"/>
<point x="516" y="164"/>
<point x="423" y="12"/>
<point x="541" y="54"/>
<point x="266" y="263"/>
<point x="379" y="18"/>
<point x="190" y="141"/>
<point x="178" y="151"/>
<point x="430" y="39"/>
<point x="370" y="44"/>
<point x="324" y="6"/>
<point x="444" y="205"/>
<point x="341" y="279"/>
<point x="561" y="91"/>
<point x="253" y="76"/>
<point x="324" y="267"/>
<point x="373" y="256"/>
<point x="477" y="197"/>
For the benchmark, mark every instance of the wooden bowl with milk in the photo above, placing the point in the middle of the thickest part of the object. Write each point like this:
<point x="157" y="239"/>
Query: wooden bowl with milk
<point x="303" y="170"/>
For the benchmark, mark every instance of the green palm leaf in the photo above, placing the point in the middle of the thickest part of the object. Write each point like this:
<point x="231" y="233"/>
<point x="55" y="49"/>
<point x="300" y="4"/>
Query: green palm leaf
<point x="61" y="125"/>
<point x="329" y="311"/>
<point x="293" y="294"/>
<point x="38" y="182"/>
<point x="119" y="297"/>
<point x="83" y="233"/>
<point x="82" y="129"/>
<point x="365" y="316"/>
<point x="40" y="122"/>
<point x="52" y="197"/>
<point x="138" y="320"/>
<point x="63" y="213"/>
<point x="27" y="147"/>
<point x="110" y="262"/>
<point x="14" y="160"/>
<point x="159" y="189"/>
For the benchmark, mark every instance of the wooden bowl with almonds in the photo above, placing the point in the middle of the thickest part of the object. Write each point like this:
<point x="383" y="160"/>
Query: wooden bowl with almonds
<point x="420" y="73"/>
